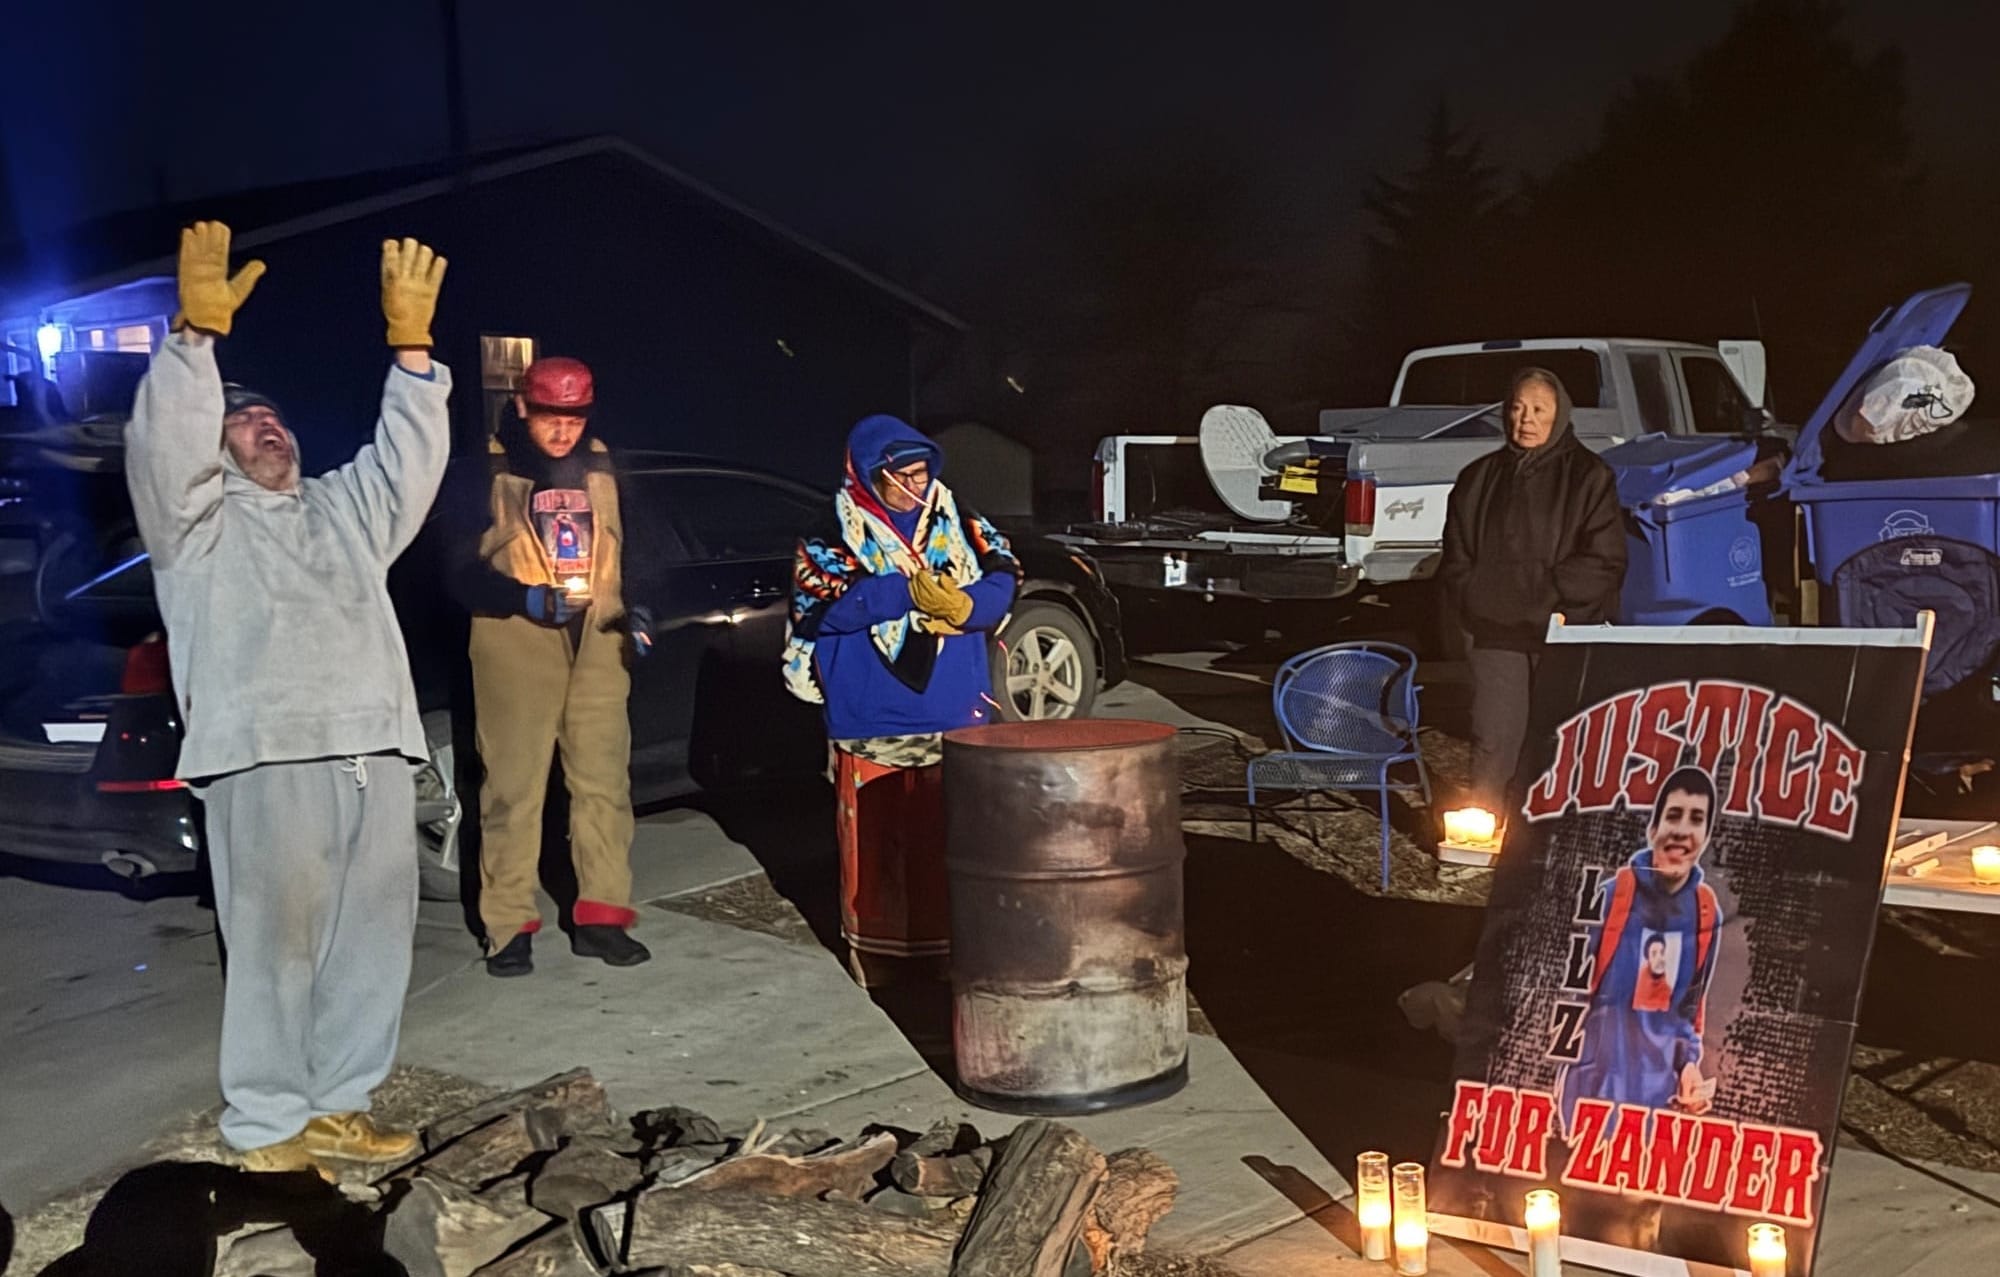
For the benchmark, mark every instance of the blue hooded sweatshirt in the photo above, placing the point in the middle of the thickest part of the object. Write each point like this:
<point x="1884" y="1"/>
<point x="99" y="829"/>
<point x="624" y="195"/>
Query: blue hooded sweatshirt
<point x="1645" y="1019"/>
<point x="855" y="640"/>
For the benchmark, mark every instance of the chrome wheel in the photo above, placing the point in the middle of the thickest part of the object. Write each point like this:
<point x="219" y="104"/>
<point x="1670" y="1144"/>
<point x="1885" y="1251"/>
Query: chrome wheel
<point x="1046" y="673"/>
<point x="439" y="812"/>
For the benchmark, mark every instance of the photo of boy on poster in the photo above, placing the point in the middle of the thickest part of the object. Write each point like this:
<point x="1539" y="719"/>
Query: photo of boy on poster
<point x="1652" y="958"/>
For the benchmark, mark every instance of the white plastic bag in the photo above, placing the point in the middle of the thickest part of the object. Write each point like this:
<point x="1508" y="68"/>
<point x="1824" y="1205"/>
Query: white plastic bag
<point x="1917" y="391"/>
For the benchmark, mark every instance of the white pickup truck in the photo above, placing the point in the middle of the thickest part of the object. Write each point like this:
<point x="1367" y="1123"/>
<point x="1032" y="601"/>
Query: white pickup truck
<point x="1211" y="515"/>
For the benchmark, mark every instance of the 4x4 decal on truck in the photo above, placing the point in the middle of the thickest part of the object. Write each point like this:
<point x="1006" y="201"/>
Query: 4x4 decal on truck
<point x="1412" y="507"/>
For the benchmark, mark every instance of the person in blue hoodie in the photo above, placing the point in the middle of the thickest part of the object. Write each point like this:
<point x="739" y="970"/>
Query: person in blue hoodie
<point x="1653" y="958"/>
<point x="892" y="606"/>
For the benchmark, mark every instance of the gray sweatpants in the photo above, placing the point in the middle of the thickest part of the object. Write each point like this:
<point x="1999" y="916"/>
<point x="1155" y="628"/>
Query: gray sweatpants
<point x="316" y="892"/>
<point x="1501" y="681"/>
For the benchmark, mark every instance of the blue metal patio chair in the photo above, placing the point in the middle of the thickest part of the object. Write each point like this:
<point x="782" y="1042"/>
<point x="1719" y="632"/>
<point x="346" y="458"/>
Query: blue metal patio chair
<point x="1349" y="715"/>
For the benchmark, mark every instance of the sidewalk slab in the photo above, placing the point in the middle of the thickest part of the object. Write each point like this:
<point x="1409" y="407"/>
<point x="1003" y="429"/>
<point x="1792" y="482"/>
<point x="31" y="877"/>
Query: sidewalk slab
<point x="732" y="1023"/>
<point x="110" y="1013"/>
<point x="674" y="853"/>
<point x="1136" y="700"/>
<point x="1245" y="1170"/>
<point x="679" y="851"/>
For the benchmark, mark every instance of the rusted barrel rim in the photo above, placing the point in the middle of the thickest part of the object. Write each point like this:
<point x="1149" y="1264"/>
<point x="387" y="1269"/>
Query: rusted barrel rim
<point x="1172" y="969"/>
<point x="1063" y="735"/>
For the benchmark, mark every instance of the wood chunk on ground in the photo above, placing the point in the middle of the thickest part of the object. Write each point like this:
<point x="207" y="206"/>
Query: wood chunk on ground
<point x="1037" y="1200"/>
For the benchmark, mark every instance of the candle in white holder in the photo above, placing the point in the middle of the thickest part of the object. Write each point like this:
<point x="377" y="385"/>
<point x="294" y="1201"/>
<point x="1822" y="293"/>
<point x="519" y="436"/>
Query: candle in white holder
<point x="1413" y="1231"/>
<point x="1371" y="1206"/>
<point x="1413" y="1248"/>
<point x="1471" y="827"/>
<point x="1544" y="1219"/>
<point x="1986" y="863"/>
<point x="1767" y="1250"/>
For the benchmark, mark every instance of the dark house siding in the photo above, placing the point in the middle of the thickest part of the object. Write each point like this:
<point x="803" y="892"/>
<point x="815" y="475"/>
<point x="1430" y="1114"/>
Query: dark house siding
<point x="678" y="305"/>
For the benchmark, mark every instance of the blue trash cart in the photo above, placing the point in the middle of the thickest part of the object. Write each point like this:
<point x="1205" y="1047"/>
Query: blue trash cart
<point x="1693" y="561"/>
<point x="1883" y="548"/>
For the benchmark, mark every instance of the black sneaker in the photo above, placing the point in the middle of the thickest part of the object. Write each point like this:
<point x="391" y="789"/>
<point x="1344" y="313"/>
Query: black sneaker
<point x="610" y="943"/>
<point x="518" y="958"/>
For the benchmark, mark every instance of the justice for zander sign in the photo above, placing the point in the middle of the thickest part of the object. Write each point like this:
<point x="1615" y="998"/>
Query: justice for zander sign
<point x="1663" y="1003"/>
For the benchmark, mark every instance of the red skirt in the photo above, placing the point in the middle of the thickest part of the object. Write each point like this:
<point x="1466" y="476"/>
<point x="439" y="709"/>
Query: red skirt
<point x="893" y="896"/>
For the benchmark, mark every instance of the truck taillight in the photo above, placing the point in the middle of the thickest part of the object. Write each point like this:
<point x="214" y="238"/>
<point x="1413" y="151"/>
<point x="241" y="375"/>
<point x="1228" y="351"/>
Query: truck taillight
<point x="1097" y="477"/>
<point x="146" y="671"/>
<point x="1360" y="501"/>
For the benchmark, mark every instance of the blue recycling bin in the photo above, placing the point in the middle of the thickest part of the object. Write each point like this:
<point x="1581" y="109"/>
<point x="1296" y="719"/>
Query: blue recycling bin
<point x="1696" y="560"/>
<point x="1884" y="548"/>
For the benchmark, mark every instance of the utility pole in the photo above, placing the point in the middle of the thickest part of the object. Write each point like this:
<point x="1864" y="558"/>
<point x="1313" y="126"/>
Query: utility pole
<point x="13" y="228"/>
<point x="468" y="425"/>
<point x="458" y="119"/>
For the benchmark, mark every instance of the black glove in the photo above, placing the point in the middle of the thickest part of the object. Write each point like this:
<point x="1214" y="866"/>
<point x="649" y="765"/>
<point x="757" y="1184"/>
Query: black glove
<point x="639" y="624"/>
<point x="547" y="605"/>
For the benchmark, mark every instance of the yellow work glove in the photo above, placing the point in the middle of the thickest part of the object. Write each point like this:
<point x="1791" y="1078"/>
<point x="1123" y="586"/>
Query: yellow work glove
<point x="938" y="626"/>
<point x="937" y="597"/>
<point x="411" y="277"/>
<point x="209" y="297"/>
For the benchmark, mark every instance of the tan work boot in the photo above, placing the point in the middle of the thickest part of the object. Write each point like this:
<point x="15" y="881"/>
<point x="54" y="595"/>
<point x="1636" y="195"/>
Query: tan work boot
<point x="354" y="1137"/>
<point x="285" y="1155"/>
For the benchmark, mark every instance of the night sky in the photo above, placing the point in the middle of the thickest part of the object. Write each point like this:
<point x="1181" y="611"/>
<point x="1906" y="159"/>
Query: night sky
<point x="915" y="138"/>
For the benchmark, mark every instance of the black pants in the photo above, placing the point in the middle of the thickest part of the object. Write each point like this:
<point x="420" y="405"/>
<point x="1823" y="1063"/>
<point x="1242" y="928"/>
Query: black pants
<point x="1501" y="679"/>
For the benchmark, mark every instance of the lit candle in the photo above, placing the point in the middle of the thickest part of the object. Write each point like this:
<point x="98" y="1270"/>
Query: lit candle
<point x="1471" y="827"/>
<point x="576" y="585"/>
<point x="1767" y="1250"/>
<point x="1413" y="1231"/>
<point x="1986" y="863"/>
<point x="1544" y="1234"/>
<point x="1371" y="1190"/>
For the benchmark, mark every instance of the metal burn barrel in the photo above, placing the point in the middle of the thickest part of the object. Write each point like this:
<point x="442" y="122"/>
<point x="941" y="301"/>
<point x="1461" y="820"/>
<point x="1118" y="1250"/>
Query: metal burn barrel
<point x="1068" y="959"/>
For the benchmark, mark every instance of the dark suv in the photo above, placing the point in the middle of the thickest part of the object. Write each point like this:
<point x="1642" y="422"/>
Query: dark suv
<point x="89" y="735"/>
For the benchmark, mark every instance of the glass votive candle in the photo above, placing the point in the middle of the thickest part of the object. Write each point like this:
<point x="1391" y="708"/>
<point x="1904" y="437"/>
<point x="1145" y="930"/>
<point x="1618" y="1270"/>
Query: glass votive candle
<point x="1372" y="1204"/>
<point x="1767" y="1250"/>
<point x="1413" y="1230"/>
<point x="1544" y="1220"/>
<point x="1471" y="827"/>
<point x="1986" y="863"/>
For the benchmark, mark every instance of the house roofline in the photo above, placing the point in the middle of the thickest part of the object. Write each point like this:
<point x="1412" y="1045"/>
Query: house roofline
<point x="496" y="170"/>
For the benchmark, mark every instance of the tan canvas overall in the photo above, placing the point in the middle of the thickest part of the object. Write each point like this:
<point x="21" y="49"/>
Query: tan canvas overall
<point x="534" y="694"/>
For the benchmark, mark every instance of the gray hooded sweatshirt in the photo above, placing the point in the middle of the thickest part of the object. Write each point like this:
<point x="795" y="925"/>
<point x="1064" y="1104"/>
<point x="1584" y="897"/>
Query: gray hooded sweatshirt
<point x="283" y="643"/>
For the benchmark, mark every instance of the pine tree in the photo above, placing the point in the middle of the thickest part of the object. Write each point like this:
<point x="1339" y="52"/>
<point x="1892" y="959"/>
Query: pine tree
<point x="1434" y="268"/>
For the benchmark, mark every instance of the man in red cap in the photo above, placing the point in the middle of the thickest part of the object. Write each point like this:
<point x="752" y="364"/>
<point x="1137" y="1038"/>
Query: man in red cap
<point x="537" y="565"/>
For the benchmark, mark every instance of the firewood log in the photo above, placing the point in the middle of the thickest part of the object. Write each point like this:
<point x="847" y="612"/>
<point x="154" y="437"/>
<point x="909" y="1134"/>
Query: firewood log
<point x="797" y="1236"/>
<point x="438" y="1228"/>
<point x="1033" y="1209"/>
<point x="582" y="1174"/>
<point x="575" y="1094"/>
<point x="847" y="1171"/>
<point x="555" y="1253"/>
<point x="1139" y="1190"/>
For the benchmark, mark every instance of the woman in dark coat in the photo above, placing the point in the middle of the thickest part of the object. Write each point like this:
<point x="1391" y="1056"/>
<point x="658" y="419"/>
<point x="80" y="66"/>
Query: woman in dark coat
<point x="1531" y="530"/>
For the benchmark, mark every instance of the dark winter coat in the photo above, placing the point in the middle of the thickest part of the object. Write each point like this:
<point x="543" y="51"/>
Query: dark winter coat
<point x="1531" y="532"/>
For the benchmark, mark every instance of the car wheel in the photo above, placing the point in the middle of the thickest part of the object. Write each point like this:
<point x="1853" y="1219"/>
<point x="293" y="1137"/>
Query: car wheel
<point x="439" y="812"/>
<point x="1046" y="666"/>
